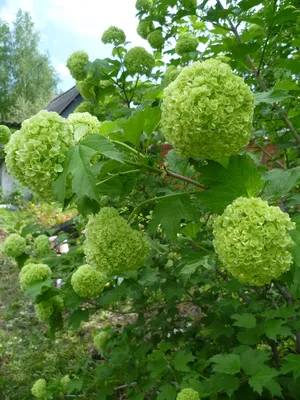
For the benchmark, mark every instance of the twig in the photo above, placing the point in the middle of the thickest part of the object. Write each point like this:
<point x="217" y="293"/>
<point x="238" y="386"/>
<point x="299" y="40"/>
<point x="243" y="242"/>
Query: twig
<point x="270" y="155"/>
<point x="125" y="386"/>
<point x="275" y="353"/>
<point x="260" y="81"/>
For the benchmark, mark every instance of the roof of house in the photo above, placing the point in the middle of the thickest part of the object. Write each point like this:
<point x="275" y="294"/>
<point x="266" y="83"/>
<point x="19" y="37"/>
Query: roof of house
<point x="61" y="102"/>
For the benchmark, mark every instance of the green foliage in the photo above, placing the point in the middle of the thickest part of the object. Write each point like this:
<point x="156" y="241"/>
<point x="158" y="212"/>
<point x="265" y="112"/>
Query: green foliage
<point x="45" y="309"/>
<point x="32" y="273"/>
<point x="143" y="5"/>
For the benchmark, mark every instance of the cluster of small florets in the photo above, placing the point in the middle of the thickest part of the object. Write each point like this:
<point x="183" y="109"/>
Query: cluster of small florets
<point x="112" y="246"/>
<point x="100" y="341"/>
<point x="86" y="89"/>
<point x="4" y="134"/>
<point x="85" y="106"/>
<point x="32" y="273"/>
<point x="189" y="3"/>
<point x="252" y="240"/>
<point x="207" y="111"/>
<point x="156" y="39"/>
<point x="14" y="245"/>
<point x="35" y="154"/>
<point x="186" y="42"/>
<point x="42" y="245"/>
<point x="39" y="389"/>
<point x="46" y="308"/>
<point x="83" y="124"/>
<point x="113" y="35"/>
<point x="64" y="381"/>
<point x="143" y="5"/>
<point x="144" y="28"/>
<point x="138" y="61"/>
<point x="77" y="64"/>
<point x="171" y="73"/>
<point x="88" y="282"/>
<point x="188" y="394"/>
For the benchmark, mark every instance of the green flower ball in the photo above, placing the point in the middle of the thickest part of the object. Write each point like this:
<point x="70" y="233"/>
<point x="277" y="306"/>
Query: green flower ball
<point x="46" y="308"/>
<point x="156" y="39"/>
<point x="143" y="5"/>
<point x="35" y="154"/>
<point x="14" y="245"/>
<point x="77" y="64"/>
<point x="33" y="272"/>
<point x="138" y="61"/>
<point x="188" y="394"/>
<point x="64" y="381"/>
<point x="189" y="3"/>
<point x="88" y="282"/>
<point x="186" y="42"/>
<point x="252" y="240"/>
<point x="144" y="28"/>
<point x="4" y="134"/>
<point x="100" y="341"/>
<point x="171" y="73"/>
<point x="207" y="111"/>
<point x="112" y="246"/>
<point x="83" y="124"/>
<point x="42" y="245"/>
<point x="39" y="389"/>
<point x="113" y="35"/>
<point x="85" y="106"/>
<point x="86" y="89"/>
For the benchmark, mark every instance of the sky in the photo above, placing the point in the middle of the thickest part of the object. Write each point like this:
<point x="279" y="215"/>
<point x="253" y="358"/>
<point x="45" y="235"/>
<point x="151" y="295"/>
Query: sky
<point x="66" y="26"/>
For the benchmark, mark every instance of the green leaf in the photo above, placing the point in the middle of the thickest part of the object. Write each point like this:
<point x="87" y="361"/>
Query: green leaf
<point x="264" y="378"/>
<point x="74" y="385"/>
<point x="226" y="363"/>
<point x="77" y="317"/>
<point x="103" y="146"/>
<point x="292" y="65"/>
<point x="181" y="360"/>
<point x="38" y="287"/>
<point x="223" y="383"/>
<point x="169" y="212"/>
<point x="244" y="320"/>
<point x="252" y="360"/>
<point x="178" y="164"/>
<point x="287" y="85"/>
<point x="250" y="336"/>
<point x="295" y="235"/>
<point x="273" y="327"/>
<point x="108" y="127"/>
<point x="280" y="182"/>
<point x="157" y="364"/>
<point x="56" y="323"/>
<point x="134" y="127"/>
<point x="240" y="178"/>
<point x="274" y="96"/>
<point x="167" y="392"/>
<point x="152" y="119"/>
<point x="291" y="363"/>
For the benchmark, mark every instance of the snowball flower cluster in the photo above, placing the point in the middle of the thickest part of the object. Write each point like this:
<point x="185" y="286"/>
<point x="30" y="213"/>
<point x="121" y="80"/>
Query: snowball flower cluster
<point x="143" y="5"/>
<point x="39" y="389"/>
<point x="207" y="111"/>
<point x="42" y="245"/>
<point x="35" y="154"/>
<point x="144" y="28"/>
<point x="113" y="35"/>
<point x="4" y="134"/>
<point x="112" y="246"/>
<point x="188" y="394"/>
<point x="46" y="308"/>
<point x="85" y="106"/>
<point x="83" y="124"/>
<point x="156" y="39"/>
<point x="88" y="282"/>
<point x="77" y="64"/>
<point x="14" y="245"/>
<point x="189" y="3"/>
<point x="86" y="89"/>
<point x="100" y="341"/>
<point x="252" y="240"/>
<point x="171" y="73"/>
<point x="64" y="381"/>
<point x="33" y="272"/>
<point x="138" y="61"/>
<point x="186" y="42"/>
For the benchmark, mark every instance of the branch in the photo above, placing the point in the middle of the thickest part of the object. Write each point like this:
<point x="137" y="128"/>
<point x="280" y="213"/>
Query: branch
<point x="260" y="81"/>
<point x="270" y="155"/>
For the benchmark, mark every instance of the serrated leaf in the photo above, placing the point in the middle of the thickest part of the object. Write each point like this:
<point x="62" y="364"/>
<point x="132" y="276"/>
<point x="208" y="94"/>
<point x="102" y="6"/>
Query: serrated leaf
<point x="77" y="317"/>
<point x="274" y="96"/>
<point x="157" y="364"/>
<point x="226" y="363"/>
<point x="103" y="146"/>
<point x="182" y="359"/>
<point x="291" y="363"/>
<point x="263" y="378"/>
<point x="244" y="320"/>
<point x="167" y="392"/>
<point x="169" y="212"/>
<point x="273" y="327"/>
<point x="280" y="182"/>
<point x="223" y="383"/>
<point x="178" y="164"/>
<point x="250" y="336"/>
<point x="37" y="287"/>
<point x="240" y="178"/>
<point x="74" y="385"/>
<point x="252" y="360"/>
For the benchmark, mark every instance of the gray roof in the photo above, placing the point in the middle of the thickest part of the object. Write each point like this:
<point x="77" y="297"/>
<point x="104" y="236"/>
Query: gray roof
<point x="64" y="100"/>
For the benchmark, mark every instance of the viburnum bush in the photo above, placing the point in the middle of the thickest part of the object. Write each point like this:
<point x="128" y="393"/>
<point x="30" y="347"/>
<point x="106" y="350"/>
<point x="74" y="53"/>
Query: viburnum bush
<point x="184" y="168"/>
